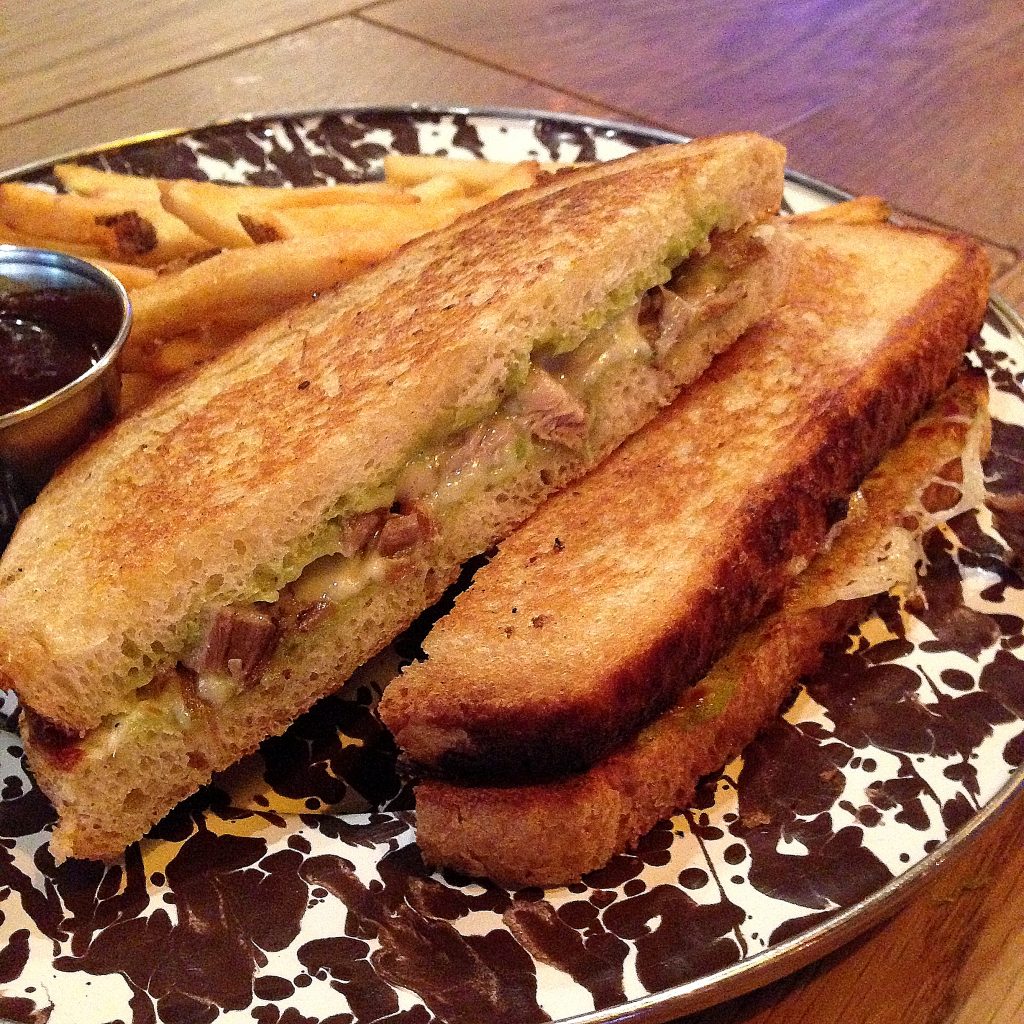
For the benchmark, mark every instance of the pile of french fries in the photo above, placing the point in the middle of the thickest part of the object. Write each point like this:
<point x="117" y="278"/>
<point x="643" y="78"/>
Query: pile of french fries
<point x="206" y="262"/>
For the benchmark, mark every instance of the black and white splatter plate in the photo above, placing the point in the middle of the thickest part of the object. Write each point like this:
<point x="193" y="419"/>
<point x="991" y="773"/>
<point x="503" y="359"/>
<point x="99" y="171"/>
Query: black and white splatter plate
<point x="291" y="891"/>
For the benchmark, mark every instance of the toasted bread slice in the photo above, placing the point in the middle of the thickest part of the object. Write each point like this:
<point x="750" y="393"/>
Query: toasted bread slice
<point x="409" y="404"/>
<point x="218" y="492"/>
<point x="547" y="834"/>
<point x="569" y="640"/>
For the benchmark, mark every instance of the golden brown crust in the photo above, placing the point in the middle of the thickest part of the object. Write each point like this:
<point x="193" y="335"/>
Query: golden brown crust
<point x="183" y="504"/>
<point x="106" y="803"/>
<point x="547" y="834"/>
<point x="122" y="780"/>
<point x="538" y="670"/>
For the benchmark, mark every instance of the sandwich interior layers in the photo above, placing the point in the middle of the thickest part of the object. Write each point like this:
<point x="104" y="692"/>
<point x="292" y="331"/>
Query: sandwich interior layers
<point x="531" y="677"/>
<point x="546" y="834"/>
<point x="558" y="408"/>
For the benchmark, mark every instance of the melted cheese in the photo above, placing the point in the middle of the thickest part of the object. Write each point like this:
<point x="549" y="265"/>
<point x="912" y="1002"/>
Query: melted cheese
<point x="336" y="578"/>
<point x="620" y="342"/>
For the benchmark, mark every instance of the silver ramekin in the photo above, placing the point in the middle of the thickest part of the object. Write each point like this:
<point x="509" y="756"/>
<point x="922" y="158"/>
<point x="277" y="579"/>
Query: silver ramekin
<point x="35" y="438"/>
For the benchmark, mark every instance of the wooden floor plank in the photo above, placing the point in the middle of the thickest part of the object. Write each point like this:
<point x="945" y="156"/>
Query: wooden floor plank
<point x="55" y="52"/>
<point x="357" y="62"/>
<point x="703" y="62"/>
<point x="914" y="100"/>
<point x="929" y="147"/>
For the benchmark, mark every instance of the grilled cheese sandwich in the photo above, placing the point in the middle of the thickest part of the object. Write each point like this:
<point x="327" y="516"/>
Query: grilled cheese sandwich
<point x="334" y="469"/>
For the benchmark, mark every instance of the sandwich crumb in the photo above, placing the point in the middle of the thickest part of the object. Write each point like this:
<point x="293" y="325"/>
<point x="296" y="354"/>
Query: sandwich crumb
<point x="540" y="621"/>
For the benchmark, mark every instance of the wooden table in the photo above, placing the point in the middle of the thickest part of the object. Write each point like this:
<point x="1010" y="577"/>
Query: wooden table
<point x="922" y="102"/>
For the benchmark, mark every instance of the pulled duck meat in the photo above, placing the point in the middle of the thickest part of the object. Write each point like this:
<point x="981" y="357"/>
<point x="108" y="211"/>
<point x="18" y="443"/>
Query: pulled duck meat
<point x="238" y="641"/>
<point x="550" y="412"/>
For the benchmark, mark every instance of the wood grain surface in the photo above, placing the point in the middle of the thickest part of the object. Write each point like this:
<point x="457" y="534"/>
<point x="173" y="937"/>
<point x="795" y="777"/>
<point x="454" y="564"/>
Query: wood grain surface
<point x="919" y="100"/>
<point x="116" y="44"/>
<point x="1011" y="286"/>
<point x="914" y="100"/>
<point x="355" y="62"/>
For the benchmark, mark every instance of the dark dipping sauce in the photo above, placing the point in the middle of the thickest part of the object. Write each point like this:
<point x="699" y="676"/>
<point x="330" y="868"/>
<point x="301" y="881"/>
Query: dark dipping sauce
<point x="48" y="338"/>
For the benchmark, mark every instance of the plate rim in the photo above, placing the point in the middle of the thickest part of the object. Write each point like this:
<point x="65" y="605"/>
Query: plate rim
<point x="824" y="188"/>
<point x="837" y="928"/>
<point x="662" y="135"/>
<point x="807" y="947"/>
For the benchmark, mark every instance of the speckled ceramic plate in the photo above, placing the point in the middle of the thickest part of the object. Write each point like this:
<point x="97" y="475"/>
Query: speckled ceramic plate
<point x="292" y="891"/>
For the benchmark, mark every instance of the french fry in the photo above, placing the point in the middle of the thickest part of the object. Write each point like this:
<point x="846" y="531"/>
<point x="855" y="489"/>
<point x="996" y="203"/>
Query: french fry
<point x="521" y="176"/>
<point x="861" y="210"/>
<point x="212" y="216"/>
<point x="399" y="223"/>
<point x="84" y="250"/>
<point x="89" y="181"/>
<point x="380" y="192"/>
<point x="475" y="175"/>
<point x="439" y="189"/>
<point x="238" y="284"/>
<point x="318" y="195"/>
<point x="128" y="231"/>
<point x="212" y="210"/>
<point x="278" y="246"/>
<point x="171" y="238"/>
<point x="35" y="211"/>
<point x="182" y="354"/>
<point x="128" y="274"/>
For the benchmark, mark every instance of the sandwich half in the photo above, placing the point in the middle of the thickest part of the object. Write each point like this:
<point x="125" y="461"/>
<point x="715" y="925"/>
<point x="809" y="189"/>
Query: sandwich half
<point x="204" y="572"/>
<point x="620" y="594"/>
<point x="552" y="833"/>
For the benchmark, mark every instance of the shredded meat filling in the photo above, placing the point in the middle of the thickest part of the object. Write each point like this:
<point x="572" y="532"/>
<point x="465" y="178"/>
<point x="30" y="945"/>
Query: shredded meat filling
<point x="237" y="641"/>
<point x="549" y="412"/>
<point x="357" y="532"/>
<point x="649" y="312"/>
<point x="60" y="746"/>
<point x="403" y="530"/>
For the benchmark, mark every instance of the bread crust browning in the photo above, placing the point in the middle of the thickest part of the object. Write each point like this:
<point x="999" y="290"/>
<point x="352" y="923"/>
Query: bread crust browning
<point x="737" y="494"/>
<point x="101" y="579"/>
<point x="110" y="798"/>
<point x="553" y="833"/>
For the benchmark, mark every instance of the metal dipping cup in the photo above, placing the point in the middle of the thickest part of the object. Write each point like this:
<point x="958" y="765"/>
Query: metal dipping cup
<point x="36" y="437"/>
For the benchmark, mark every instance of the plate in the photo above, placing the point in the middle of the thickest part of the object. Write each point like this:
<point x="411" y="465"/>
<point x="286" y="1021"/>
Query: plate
<point x="291" y="890"/>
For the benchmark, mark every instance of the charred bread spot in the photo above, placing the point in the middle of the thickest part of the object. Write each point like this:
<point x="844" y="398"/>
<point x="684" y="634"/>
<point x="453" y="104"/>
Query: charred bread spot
<point x="134" y="234"/>
<point x="60" y="747"/>
<point x="836" y="510"/>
